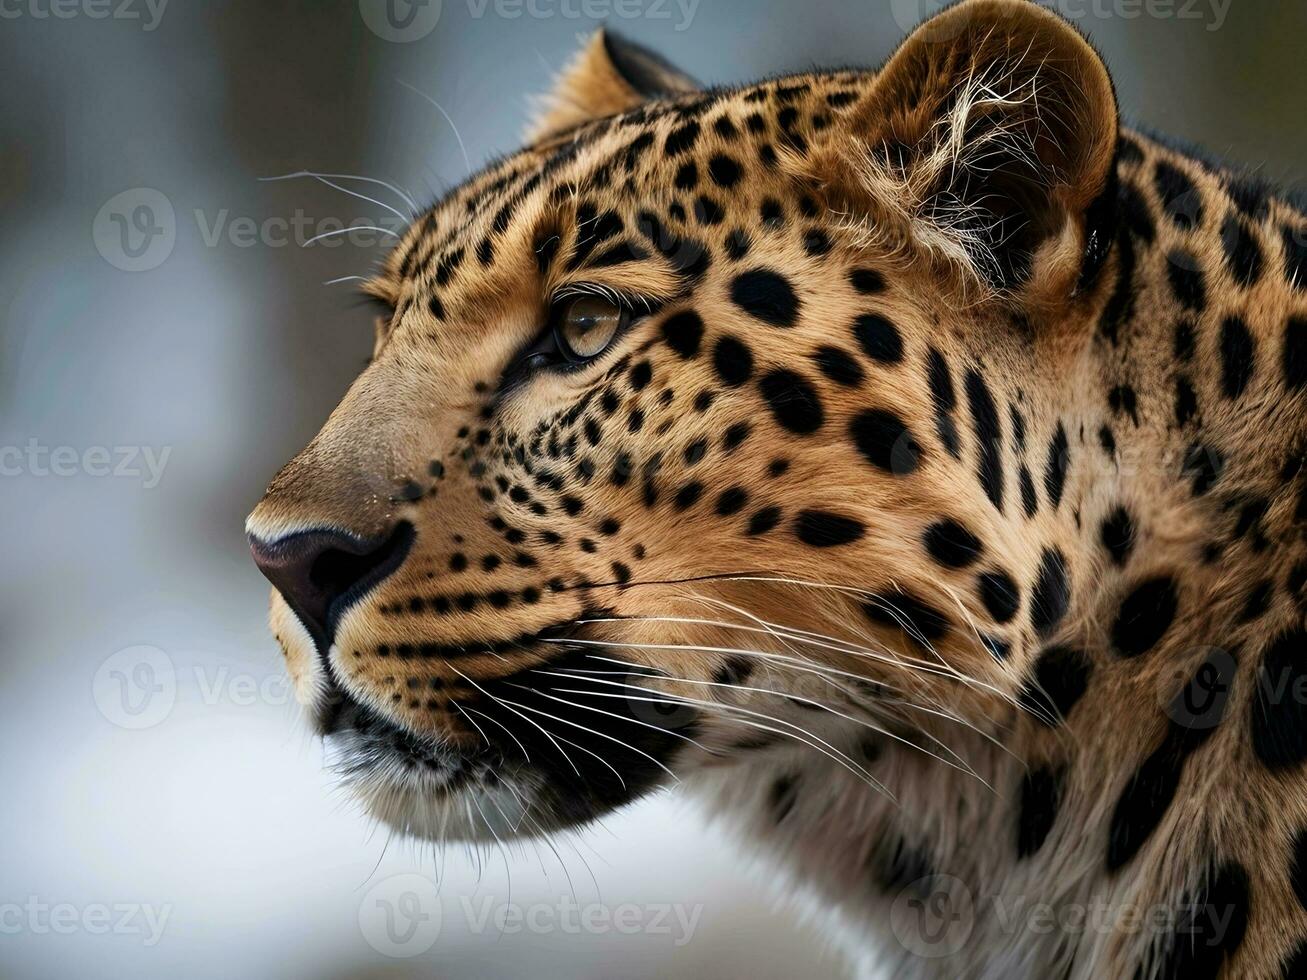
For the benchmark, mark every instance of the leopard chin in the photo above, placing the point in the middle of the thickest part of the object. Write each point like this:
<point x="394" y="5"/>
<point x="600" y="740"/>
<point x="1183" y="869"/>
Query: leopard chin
<point x="541" y="775"/>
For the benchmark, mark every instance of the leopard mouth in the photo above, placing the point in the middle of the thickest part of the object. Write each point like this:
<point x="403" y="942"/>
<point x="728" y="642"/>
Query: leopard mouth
<point x="552" y="746"/>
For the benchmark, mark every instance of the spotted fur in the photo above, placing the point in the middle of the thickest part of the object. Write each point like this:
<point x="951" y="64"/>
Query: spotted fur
<point x="937" y="519"/>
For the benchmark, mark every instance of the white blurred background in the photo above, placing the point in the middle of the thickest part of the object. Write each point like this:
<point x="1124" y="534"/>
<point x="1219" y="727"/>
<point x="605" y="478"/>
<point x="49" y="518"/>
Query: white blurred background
<point x="164" y="812"/>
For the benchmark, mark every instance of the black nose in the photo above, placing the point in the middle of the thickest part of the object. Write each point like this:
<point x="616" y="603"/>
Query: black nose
<point x="321" y="573"/>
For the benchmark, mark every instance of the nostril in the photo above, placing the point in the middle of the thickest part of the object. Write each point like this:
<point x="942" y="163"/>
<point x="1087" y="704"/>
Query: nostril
<point x="321" y="572"/>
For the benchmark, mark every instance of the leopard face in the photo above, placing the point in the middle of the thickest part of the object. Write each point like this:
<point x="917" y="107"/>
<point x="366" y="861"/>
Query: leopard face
<point x="687" y="432"/>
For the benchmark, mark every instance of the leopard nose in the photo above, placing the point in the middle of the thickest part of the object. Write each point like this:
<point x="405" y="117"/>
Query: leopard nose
<point x="322" y="572"/>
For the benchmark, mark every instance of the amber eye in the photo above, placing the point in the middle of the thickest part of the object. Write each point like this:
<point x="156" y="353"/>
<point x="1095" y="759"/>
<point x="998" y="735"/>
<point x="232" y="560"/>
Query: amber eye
<point x="587" y="325"/>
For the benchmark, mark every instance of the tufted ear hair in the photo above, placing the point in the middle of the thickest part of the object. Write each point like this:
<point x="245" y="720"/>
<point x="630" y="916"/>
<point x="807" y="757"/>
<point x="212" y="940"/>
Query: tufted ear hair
<point x="609" y="75"/>
<point x="990" y="136"/>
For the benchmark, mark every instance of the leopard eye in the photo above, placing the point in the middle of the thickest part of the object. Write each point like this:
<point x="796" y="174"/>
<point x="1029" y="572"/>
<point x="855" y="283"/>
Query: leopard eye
<point x="587" y="326"/>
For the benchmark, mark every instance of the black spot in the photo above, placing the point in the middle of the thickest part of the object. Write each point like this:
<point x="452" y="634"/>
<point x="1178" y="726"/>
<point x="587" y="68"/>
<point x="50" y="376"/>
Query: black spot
<point x="1237" y="356"/>
<point x="867" y="281"/>
<point x="1059" y="457"/>
<point x="1060" y="679"/>
<point x="837" y="365"/>
<point x="733" y="361"/>
<point x="922" y="622"/>
<point x="1295" y="257"/>
<point x="816" y="242"/>
<point x="737" y="245"/>
<point x="821" y="529"/>
<point x="1001" y="595"/>
<point x="1185" y="340"/>
<point x="735" y="434"/>
<point x="695" y="451"/>
<point x="793" y="401"/>
<point x="681" y="139"/>
<point x="1134" y="212"/>
<point x="763" y="521"/>
<point x="782" y="797"/>
<point x="1186" y="401"/>
<point x="683" y="331"/>
<point x="707" y="211"/>
<point x="1041" y="791"/>
<point x="735" y="670"/>
<point x="1294" y="357"/>
<point x="688" y="495"/>
<point x="766" y="295"/>
<point x="878" y="338"/>
<point x="731" y="501"/>
<point x="1145" y="616"/>
<point x="1118" y="535"/>
<point x="1029" y="499"/>
<point x="894" y="865"/>
<point x="1209" y="927"/>
<point x="945" y="399"/>
<point x="1187" y="280"/>
<point x="951" y="544"/>
<point x="1052" y="593"/>
<point x="1121" y="305"/>
<point x="1180" y="199"/>
<point x="1295" y="967"/>
<point x="1203" y="465"/>
<point x="1279" y="709"/>
<point x="1122" y="398"/>
<point x="687" y="176"/>
<point x="885" y="441"/>
<point x="1242" y="252"/>
<point x="641" y="375"/>
<point x="984" y="416"/>
<point x="1298" y="867"/>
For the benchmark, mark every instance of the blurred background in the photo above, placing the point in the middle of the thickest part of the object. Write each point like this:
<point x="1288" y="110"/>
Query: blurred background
<point x="170" y="334"/>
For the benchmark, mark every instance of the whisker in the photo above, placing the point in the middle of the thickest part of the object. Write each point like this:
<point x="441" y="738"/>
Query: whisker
<point x="394" y="189"/>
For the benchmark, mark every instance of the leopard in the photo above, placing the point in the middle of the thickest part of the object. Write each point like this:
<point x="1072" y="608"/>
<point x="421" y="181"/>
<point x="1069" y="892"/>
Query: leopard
<point x="905" y="465"/>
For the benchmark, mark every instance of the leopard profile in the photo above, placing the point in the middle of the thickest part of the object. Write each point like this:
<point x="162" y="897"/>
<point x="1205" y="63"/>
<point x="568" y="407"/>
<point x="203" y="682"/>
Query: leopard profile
<point x="908" y="463"/>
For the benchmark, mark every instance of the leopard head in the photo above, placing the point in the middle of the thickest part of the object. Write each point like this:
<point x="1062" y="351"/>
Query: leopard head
<point x="681" y="434"/>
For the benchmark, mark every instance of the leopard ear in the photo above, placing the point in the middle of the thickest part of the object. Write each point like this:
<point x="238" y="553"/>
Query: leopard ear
<point x="991" y="136"/>
<point x="609" y="75"/>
